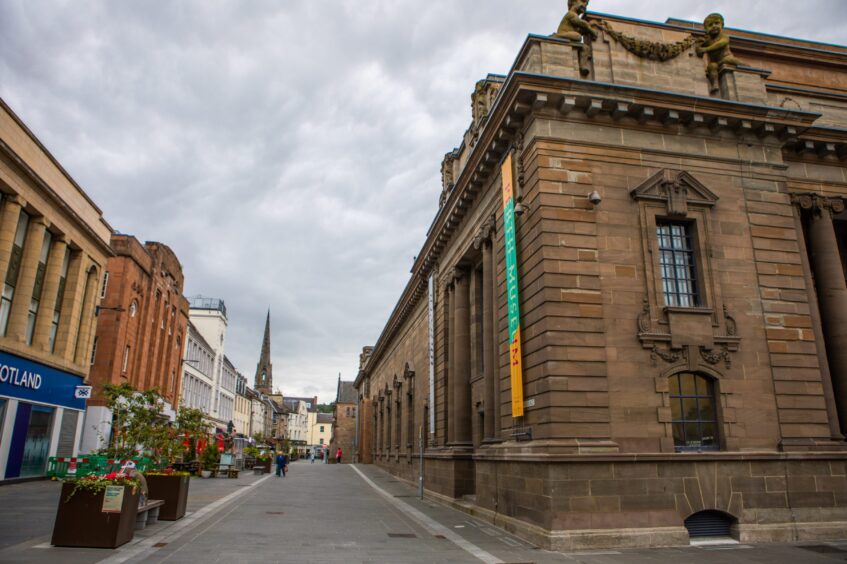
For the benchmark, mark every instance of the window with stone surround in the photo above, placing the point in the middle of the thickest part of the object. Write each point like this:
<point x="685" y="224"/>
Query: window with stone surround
<point x="674" y="208"/>
<point x="694" y="412"/>
<point x="677" y="263"/>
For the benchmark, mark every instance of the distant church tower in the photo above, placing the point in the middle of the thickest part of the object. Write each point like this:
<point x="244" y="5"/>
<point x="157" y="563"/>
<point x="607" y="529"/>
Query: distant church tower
<point x="264" y="370"/>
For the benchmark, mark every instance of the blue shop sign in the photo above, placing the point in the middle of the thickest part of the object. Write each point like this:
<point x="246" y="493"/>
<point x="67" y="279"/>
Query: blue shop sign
<point x="27" y="380"/>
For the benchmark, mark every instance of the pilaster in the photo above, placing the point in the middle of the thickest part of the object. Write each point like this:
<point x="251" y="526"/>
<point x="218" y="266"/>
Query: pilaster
<point x="26" y="279"/>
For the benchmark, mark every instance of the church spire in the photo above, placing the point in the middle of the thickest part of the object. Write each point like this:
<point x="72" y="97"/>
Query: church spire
<point x="264" y="370"/>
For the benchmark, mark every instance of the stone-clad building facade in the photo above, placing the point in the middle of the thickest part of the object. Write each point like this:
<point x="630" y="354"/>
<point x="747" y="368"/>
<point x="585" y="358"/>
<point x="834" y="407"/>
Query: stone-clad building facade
<point x="54" y="244"/>
<point x="343" y="421"/>
<point x="680" y="239"/>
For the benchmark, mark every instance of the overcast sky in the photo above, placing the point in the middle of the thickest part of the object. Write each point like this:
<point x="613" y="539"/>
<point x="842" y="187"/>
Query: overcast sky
<point x="289" y="152"/>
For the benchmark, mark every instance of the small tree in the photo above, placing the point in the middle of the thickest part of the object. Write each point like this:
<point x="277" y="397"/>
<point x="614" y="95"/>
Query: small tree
<point x="210" y="456"/>
<point x="190" y="426"/>
<point x="138" y="425"/>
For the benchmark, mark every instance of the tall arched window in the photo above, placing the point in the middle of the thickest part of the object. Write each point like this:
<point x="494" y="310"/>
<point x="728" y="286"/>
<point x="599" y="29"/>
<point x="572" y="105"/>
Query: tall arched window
<point x="695" y="423"/>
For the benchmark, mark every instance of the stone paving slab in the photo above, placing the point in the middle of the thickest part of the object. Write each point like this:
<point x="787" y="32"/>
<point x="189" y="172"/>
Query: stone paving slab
<point x="331" y="513"/>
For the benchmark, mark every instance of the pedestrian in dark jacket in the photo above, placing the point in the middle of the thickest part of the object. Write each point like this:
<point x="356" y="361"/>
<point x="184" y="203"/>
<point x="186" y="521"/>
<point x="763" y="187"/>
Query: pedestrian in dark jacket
<point x="281" y="463"/>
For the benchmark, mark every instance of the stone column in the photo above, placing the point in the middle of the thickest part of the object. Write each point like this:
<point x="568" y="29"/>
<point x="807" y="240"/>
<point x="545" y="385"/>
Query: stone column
<point x="488" y="343"/>
<point x="26" y="279"/>
<point x="398" y="417"/>
<point x="9" y="217"/>
<point x="462" y="348"/>
<point x="71" y="304"/>
<point x="52" y="275"/>
<point x="495" y="338"/>
<point x="450" y="431"/>
<point x="377" y="430"/>
<point x="86" y="319"/>
<point x="831" y="289"/>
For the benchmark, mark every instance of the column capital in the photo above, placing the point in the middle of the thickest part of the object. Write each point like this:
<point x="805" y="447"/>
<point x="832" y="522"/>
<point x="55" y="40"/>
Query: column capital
<point x="457" y="274"/>
<point x="486" y="233"/>
<point x="817" y="203"/>
<point x="41" y="220"/>
<point x="15" y="199"/>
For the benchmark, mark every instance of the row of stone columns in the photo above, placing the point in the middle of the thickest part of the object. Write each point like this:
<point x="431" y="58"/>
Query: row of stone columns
<point x="458" y="295"/>
<point x="831" y="289"/>
<point x="75" y="330"/>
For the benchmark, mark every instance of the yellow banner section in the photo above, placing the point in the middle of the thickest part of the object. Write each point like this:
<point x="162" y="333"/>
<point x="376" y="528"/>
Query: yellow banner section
<point x="517" y="374"/>
<point x="506" y="179"/>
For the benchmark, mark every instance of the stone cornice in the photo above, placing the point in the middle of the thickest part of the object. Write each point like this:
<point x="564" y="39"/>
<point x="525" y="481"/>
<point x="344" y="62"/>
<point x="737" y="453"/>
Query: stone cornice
<point x="58" y="201"/>
<point x="525" y="95"/>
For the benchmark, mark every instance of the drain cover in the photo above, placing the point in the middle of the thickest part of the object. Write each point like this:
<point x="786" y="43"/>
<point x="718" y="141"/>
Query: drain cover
<point x="274" y="512"/>
<point x="402" y="535"/>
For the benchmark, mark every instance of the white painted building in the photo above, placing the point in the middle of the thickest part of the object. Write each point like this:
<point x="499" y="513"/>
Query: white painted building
<point x="298" y="420"/>
<point x="257" y="413"/>
<point x="198" y="372"/>
<point x="208" y="316"/>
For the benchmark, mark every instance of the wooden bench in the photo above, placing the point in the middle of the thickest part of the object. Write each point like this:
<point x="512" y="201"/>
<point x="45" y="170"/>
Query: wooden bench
<point x="225" y="470"/>
<point x="148" y="513"/>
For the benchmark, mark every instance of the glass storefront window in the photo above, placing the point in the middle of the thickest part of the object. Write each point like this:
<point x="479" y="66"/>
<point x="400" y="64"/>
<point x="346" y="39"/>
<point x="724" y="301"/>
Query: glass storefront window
<point x="3" y="404"/>
<point x="37" y="445"/>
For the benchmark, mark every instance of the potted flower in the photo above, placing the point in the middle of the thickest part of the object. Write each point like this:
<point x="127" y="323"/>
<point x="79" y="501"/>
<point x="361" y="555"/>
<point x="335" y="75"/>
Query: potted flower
<point x="264" y="461"/>
<point x="97" y="511"/>
<point x="171" y="487"/>
<point x="209" y="458"/>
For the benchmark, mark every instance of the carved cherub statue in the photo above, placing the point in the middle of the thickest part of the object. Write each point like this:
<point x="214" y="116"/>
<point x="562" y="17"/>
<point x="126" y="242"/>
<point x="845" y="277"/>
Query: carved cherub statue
<point x="573" y="27"/>
<point x="716" y="46"/>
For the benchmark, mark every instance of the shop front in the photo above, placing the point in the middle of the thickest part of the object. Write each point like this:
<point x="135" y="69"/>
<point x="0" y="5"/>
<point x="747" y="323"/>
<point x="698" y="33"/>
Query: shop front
<point x="41" y="415"/>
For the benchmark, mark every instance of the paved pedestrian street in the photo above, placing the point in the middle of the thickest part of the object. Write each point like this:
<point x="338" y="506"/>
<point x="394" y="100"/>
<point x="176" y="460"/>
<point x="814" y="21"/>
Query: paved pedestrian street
<point x="335" y="514"/>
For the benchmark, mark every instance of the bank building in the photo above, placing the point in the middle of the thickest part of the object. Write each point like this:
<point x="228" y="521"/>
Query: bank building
<point x="54" y="244"/>
<point x="627" y="325"/>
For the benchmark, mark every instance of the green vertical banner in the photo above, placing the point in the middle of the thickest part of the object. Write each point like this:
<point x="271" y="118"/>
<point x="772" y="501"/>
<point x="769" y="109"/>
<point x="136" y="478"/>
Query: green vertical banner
<point x="507" y="180"/>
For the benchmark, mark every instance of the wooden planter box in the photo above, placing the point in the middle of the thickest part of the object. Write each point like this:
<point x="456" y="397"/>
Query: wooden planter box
<point x="173" y="490"/>
<point x="266" y="466"/>
<point x="81" y="522"/>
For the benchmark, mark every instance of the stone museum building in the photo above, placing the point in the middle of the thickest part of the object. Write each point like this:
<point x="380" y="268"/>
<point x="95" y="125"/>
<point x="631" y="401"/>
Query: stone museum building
<point x="627" y="325"/>
<point x="141" y="328"/>
<point x="54" y="244"/>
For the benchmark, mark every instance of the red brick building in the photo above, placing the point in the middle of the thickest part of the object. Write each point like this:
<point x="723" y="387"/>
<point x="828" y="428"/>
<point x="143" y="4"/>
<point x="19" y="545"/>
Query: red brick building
<point x="141" y="328"/>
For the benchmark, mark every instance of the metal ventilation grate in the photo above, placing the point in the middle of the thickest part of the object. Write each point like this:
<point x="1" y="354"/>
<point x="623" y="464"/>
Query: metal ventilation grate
<point x="709" y="524"/>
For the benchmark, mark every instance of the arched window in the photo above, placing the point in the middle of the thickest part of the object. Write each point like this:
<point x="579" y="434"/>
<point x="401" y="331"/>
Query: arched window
<point x="695" y="423"/>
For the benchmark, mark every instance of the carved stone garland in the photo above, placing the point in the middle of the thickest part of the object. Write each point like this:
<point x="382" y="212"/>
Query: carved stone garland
<point x="652" y="50"/>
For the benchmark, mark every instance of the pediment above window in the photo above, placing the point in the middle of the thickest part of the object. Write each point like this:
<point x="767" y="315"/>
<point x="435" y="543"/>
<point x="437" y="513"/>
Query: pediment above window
<point x="678" y="190"/>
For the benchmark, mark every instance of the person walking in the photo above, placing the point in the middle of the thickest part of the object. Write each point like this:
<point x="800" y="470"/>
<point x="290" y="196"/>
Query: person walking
<point x="280" y="464"/>
<point x="338" y="456"/>
<point x="312" y="456"/>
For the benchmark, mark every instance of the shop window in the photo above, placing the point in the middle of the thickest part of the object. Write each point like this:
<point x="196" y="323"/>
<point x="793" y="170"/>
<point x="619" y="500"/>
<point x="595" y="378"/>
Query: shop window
<point x="677" y="263"/>
<point x="694" y="412"/>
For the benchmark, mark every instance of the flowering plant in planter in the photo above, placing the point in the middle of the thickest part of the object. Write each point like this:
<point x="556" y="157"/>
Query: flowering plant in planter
<point x="97" y="483"/>
<point x="167" y="472"/>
